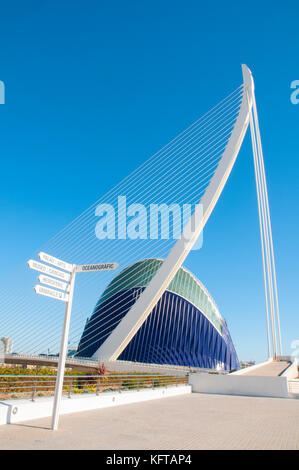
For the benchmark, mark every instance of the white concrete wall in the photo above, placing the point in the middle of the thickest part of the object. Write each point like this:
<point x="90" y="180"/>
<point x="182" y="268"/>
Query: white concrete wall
<point x="13" y="411"/>
<point x="286" y="358"/>
<point x="292" y="371"/>
<point x="240" y="385"/>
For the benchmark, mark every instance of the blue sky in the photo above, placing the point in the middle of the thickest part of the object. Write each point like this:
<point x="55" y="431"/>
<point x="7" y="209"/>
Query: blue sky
<point x="94" y="88"/>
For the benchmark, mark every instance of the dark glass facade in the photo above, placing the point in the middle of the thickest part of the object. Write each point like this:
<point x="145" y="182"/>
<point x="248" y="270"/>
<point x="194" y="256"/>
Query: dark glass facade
<point x="184" y="328"/>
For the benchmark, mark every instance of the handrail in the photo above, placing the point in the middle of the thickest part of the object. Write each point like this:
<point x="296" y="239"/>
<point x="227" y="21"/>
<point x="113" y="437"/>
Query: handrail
<point x="89" y="376"/>
<point x="33" y="386"/>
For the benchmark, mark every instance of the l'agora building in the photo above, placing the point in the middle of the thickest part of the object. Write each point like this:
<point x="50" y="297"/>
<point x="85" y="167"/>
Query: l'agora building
<point x="185" y="327"/>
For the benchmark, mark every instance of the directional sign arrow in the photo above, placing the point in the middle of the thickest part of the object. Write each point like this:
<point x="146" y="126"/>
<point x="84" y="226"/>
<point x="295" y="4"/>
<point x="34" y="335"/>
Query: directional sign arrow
<point x="55" y="261"/>
<point x="48" y="270"/>
<point x="55" y="294"/>
<point x="50" y="281"/>
<point x="96" y="267"/>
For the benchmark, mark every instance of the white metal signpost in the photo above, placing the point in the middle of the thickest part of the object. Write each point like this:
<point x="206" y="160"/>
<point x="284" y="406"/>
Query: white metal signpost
<point x="96" y="267"/>
<point x="55" y="294"/>
<point x="55" y="261"/>
<point x="50" y="281"/>
<point x="43" y="268"/>
<point x="66" y="296"/>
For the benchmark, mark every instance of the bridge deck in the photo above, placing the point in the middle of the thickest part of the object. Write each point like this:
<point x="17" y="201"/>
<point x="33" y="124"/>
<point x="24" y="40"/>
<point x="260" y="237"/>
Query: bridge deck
<point x="87" y="365"/>
<point x="271" y="369"/>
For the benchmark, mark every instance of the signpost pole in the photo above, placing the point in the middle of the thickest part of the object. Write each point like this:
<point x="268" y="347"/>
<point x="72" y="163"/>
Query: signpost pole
<point x="65" y="283"/>
<point x="63" y="353"/>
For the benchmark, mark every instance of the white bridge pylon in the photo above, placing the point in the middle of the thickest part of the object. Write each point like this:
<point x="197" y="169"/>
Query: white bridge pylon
<point x="120" y="337"/>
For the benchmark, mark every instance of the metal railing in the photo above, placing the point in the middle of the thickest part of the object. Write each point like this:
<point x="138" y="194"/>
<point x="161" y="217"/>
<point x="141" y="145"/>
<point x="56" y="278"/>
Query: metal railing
<point x="34" y="386"/>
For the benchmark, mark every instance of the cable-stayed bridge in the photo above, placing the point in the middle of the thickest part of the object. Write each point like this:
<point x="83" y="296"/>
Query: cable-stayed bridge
<point x="153" y="320"/>
<point x="188" y="173"/>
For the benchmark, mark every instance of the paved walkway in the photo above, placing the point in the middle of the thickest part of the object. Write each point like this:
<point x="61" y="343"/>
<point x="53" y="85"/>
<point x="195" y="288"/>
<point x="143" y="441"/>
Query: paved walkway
<point x="195" y="421"/>
<point x="272" y="369"/>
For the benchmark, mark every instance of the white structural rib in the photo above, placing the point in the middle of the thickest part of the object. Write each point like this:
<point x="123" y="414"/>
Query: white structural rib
<point x="133" y="320"/>
<point x="270" y="284"/>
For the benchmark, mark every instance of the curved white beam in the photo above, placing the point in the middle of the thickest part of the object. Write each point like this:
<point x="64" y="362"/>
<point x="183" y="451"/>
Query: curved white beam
<point x="133" y="320"/>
